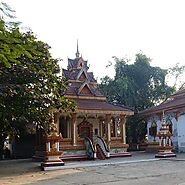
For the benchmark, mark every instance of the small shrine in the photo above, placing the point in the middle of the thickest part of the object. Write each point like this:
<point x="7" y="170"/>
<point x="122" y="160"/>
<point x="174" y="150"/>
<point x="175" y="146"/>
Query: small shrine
<point x="52" y="159"/>
<point x="174" y="108"/>
<point x="165" y="143"/>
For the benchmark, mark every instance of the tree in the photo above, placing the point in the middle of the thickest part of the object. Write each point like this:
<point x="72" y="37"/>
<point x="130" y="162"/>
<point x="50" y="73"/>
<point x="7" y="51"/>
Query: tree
<point x="136" y="129"/>
<point x="138" y="86"/>
<point x="30" y="83"/>
<point x="176" y="76"/>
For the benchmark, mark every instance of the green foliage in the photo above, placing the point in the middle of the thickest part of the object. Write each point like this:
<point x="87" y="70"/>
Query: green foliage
<point x="138" y="86"/>
<point x="176" y="76"/>
<point x="136" y="129"/>
<point x="30" y="83"/>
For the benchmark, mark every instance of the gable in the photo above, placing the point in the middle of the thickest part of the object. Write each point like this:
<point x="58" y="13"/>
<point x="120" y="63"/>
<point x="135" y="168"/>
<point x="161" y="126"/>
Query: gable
<point x="85" y="90"/>
<point x="80" y="62"/>
<point x="82" y="76"/>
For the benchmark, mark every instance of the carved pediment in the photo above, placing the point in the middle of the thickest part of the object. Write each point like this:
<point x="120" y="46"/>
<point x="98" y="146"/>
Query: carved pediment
<point x="85" y="89"/>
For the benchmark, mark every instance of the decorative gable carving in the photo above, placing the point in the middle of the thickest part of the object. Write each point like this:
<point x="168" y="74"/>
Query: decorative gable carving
<point x="85" y="89"/>
<point x="83" y="77"/>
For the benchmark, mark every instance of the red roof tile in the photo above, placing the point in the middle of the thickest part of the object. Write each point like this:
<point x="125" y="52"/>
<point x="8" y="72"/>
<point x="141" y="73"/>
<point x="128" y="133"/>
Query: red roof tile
<point x="88" y="104"/>
<point x="174" y="103"/>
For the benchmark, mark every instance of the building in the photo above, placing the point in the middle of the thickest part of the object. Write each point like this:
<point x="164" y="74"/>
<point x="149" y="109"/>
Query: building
<point x="96" y="128"/>
<point x="174" y="113"/>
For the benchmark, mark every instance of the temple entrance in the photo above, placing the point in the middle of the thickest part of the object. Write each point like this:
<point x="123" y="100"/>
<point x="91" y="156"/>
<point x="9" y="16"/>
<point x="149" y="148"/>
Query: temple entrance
<point x="85" y="129"/>
<point x="85" y="132"/>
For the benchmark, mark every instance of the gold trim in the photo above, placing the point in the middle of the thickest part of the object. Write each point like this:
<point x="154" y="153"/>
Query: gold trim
<point x="105" y="112"/>
<point x="126" y="113"/>
<point x="85" y="97"/>
<point x="80" y="81"/>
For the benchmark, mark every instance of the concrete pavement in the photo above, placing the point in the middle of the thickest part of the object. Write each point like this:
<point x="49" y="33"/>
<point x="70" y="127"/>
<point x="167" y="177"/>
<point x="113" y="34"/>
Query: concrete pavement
<point x="142" y="168"/>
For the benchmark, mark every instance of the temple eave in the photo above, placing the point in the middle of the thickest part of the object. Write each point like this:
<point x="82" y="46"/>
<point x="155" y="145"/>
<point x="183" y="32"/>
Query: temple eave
<point x="159" y="110"/>
<point x="104" y="112"/>
<point x="85" y="97"/>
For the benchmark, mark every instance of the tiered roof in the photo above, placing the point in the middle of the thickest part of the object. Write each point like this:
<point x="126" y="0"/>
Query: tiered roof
<point x="175" y="103"/>
<point x="82" y="86"/>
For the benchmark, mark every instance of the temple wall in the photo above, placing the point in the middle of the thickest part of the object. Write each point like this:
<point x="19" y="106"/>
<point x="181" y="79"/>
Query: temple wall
<point x="178" y="127"/>
<point x="181" y="133"/>
<point x="174" y="138"/>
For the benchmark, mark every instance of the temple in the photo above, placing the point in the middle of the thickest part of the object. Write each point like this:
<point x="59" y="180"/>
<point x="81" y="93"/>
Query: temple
<point x="174" y="115"/>
<point x="97" y="128"/>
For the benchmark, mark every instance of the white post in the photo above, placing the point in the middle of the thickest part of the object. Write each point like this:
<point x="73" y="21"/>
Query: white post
<point x="164" y="142"/>
<point x="123" y="131"/>
<point x="115" y="127"/>
<point x="74" y="130"/>
<point x="170" y="143"/>
<point x="49" y="147"/>
<point x="109" y="132"/>
<point x="58" y="146"/>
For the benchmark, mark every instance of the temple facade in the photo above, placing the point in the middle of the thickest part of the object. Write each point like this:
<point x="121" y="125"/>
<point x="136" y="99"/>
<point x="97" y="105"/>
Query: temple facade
<point x="174" y="115"/>
<point x="96" y="129"/>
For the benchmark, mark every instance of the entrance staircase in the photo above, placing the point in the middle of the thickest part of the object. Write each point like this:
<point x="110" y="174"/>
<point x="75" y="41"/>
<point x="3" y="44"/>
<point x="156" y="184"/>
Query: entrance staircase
<point x="90" y="148"/>
<point x="96" y="148"/>
<point x="100" y="154"/>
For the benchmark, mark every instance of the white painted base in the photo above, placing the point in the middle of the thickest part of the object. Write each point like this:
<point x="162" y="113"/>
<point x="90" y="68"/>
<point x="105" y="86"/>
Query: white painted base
<point x="52" y="165"/>
<point x="165" y="155"/>
<point x="53" y="158"/>
<point x="52" y="168"/>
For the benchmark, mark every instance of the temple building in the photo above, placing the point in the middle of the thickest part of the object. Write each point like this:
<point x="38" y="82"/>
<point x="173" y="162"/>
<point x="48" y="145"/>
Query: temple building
<point x="174" y="114"/>
<point x="97" y="128"/>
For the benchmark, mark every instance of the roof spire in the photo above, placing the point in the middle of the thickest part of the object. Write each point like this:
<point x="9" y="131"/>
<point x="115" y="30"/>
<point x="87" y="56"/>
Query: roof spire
<point x="77" y="51"/>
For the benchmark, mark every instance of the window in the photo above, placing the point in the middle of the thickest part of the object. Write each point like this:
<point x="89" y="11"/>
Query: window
<point x="153" y="130"/>
<point x="170" y="125"/>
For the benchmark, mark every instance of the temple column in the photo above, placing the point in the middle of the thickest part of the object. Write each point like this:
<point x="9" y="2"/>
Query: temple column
<point x="123" y="129"/>
<point x="101" y="121"/>
<point x="107" y="128"/>
<point x="115" y="127"/>
<point x="57" y="120"/>
<point x="74" y="129"/>
<point x="68" y="123"/>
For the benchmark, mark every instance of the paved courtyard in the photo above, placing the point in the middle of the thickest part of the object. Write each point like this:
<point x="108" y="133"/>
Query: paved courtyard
<point x="140" y="169"/>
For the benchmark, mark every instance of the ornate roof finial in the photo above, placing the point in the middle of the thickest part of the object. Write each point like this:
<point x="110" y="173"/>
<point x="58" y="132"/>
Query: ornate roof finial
<point x="77" y="52"/>
<point x="164" y="120"/>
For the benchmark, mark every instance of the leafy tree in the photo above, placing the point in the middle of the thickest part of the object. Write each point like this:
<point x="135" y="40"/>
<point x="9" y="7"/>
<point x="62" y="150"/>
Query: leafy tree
<point x="138" y="86"/>
<point x="176" y="76"/>
<point x="30" y="83"/>
<point x="136" y="129"/>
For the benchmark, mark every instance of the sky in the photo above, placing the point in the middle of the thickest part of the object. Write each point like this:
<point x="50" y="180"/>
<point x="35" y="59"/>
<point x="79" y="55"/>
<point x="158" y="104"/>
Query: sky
<point x="106" y="28"/>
